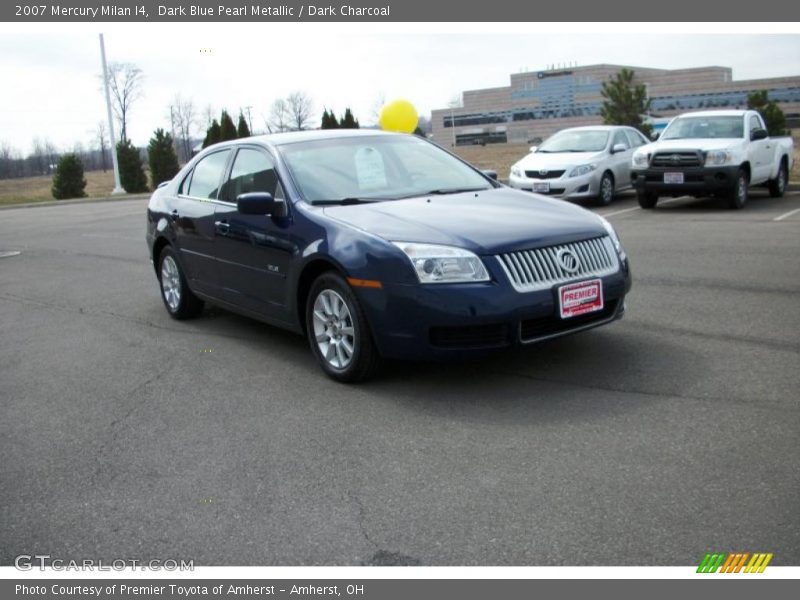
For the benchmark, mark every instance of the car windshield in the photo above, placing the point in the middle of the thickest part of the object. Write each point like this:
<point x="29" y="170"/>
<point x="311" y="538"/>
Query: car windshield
<point x="576" y="141"/>
<point x="375" y="168"/>
<point x="685" y="128"/>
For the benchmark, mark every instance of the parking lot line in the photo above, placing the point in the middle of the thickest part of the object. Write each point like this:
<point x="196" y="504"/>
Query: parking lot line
<point x="785" y="215"/>
<point x="627" y="210"/>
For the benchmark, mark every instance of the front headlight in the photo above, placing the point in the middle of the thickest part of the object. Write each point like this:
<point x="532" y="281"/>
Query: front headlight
<point x="516" y="171"/>
<point x="715" y="158"/>
<point x="443" y="264"/>
<point x="614" y="238"/>
<point x="640" y="159"/>
<point x="582" y="170"/>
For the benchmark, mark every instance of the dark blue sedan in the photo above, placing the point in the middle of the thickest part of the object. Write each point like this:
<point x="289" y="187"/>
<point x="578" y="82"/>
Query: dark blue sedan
<point x="375" y="245"/>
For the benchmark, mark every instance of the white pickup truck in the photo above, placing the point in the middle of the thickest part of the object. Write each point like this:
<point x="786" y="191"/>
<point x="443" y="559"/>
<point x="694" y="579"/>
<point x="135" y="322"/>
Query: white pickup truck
<point x="720" y="153"/>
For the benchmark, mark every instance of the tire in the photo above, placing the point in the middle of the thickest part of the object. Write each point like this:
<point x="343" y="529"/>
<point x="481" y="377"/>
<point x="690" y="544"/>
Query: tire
<point x="178" y="299"/>
<point x="737" y="197"/>
<point x="646" y="200"/>
<point x="606" y="192"/>
<point x="338" y="332"/>
<point x="777" y="186"/>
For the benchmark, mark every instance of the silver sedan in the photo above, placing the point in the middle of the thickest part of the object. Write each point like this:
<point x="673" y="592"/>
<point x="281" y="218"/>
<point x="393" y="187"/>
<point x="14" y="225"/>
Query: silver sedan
<point x="581" y="162"/>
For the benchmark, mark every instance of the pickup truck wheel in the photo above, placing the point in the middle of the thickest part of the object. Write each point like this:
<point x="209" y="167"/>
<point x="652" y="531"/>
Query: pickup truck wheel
<point x="777" y="186"/>
<point x="646" y="199"/>
<point x="737" y="197"/>
<point x="606" y="193"/>
<point x="338" y="331"/>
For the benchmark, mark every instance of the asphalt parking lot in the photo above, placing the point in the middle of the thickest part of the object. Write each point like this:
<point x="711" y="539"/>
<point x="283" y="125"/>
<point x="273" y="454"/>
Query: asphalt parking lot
<point x="125" y="434"/>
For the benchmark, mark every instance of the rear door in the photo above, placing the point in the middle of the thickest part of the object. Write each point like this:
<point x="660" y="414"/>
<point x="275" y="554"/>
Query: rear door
<point x="193" y="218"/>
<point x="253" y="251"/>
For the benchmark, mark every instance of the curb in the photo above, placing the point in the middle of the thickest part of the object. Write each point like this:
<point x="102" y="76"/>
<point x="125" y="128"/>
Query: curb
<point x="76" y="201"/>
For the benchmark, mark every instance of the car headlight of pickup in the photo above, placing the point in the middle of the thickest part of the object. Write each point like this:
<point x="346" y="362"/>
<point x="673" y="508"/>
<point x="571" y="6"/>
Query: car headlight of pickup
<point x="516" y="171"/>
<point x="640" y="159"/>
<point x="614" y="238"/>
<point x="443" y="264"/>
<point x="716" y="158"/>
<point x="582" y="170"/>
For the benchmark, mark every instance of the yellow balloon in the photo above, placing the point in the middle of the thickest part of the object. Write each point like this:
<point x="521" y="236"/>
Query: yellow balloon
<point x="400" y="116"/>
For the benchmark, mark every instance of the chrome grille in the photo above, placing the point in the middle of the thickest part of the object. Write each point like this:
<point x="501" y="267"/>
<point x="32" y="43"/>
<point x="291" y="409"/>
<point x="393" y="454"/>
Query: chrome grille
<point x="539" y="269"/>
<point x="676" y="159"/>
<point x="543" y="174"/>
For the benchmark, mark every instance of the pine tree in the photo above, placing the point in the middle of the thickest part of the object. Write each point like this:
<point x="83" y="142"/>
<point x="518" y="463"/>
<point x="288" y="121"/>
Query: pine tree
<point x="227" y="130"/>
<point x="624" y="103"/>
<point x="242" y="130"/>
<point x="329" y="120"/>
<point x="131" y="173"/>
<point x="348" y="121"/>
<point x="68" y="181"/>
<point x="212" y="134"/>
<point x="162" y="158"/>
<point x="772" y="114"/>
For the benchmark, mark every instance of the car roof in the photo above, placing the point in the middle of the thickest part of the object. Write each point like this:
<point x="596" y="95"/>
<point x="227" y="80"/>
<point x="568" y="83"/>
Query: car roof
<point x="596" y="128"/>
<point x="292" y="137"/>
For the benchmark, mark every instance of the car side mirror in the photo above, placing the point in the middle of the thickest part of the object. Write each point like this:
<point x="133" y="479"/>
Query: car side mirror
<point x="758" y="134"/>
<point x="260" y="203"/>
<point x="655" y="135"/>
<point x="618" y="148"/>
<point x="490" y="173"/>
<point x="533" y="148"/>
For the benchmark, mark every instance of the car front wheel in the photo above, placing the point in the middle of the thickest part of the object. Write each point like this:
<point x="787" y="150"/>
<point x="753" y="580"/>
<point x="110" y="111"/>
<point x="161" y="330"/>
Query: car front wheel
<point x="738" y="195"/>
<point x="338" y="331"/>
<point x="606" y="194"/>
<point x="647" y="199"/>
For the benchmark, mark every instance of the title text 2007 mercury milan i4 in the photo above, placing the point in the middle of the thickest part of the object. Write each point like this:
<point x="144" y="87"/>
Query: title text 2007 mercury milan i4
<point x="375" y="244"/>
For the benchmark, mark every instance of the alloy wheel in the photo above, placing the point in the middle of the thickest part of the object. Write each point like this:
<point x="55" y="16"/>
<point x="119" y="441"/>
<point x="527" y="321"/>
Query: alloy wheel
<point x="333" y="329"/>
<point x="171" y="283"/>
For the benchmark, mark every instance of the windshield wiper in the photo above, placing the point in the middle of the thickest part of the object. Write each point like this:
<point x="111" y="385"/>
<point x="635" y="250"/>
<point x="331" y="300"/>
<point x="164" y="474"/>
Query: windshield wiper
<point x="345" y="201"/>
<point x="445" y="191"/>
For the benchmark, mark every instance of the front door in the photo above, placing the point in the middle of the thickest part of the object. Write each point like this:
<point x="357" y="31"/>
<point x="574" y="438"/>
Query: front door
<point x="253" y="251"/>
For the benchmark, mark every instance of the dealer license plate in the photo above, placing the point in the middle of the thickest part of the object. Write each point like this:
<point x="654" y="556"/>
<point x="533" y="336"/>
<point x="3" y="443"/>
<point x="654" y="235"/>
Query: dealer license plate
<point x="580" y="298"/>
<point x="541" y="186"/>
<point x="673" y="177"/>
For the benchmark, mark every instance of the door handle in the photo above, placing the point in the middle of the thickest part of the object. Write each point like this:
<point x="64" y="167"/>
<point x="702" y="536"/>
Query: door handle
<point x="222" y="227"/>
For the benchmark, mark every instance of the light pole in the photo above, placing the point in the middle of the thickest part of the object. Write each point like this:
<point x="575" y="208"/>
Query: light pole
<point x="118" y="189"/>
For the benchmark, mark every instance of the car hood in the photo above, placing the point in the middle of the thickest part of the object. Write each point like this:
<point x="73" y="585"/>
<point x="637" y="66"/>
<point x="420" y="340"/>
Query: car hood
<point x="488" y="222"/>
<point x="692" y="144"/>
<point x="557" y="160"/>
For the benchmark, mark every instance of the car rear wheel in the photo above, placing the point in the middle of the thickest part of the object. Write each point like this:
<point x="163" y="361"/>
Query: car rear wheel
<point x="647" y="199"/>
<point x="179" y="300"/>
<point x="606" y="194"/>
<point x="737" y="197"/>
<point x="777" y="186"/>
<point x="338" y="331"/>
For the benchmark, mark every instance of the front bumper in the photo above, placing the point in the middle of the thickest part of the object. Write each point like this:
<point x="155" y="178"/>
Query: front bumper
<point x="696" y="180"/>
<point x="569" y="188"/>
<point x="444" y="321"/>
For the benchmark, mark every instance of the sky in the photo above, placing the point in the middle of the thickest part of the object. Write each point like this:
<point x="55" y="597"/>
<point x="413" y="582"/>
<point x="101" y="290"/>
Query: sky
<point x="51" y="86"/>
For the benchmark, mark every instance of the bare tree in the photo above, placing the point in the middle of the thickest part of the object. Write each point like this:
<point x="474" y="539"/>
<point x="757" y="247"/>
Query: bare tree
<point x="377" y="107"/>
<point x="209" y="114"/>
<point x="7" y="161"/>
<point x="279" y="118"/>
<point x="300" y="108"/>
<point x="125" y="85"/>
<point x="102" y="143"/>
<point x="184" y="121"/>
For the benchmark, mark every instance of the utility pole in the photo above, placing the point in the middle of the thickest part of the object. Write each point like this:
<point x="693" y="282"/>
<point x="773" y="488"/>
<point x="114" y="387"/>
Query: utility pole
<point x="172" y="128"/>
<point x="118" y="189"/>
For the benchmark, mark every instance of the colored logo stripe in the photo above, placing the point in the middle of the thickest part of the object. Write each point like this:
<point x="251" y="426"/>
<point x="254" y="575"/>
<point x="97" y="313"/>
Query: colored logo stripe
<point x="734" y="562"/>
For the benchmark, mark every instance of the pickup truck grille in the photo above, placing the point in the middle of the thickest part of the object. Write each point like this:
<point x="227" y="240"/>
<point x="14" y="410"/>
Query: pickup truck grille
<point x="540" y="268"/>
<point x="543" y="174"/>
<point x="677" y="159"/>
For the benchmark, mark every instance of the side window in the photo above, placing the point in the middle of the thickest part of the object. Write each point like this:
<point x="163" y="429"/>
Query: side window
<point x="207" y="175"/>
<point x="619" y="138"/>
<point x="755" y="123"/>
<point x="635" y="138"/>
<point x="253" y="171"/>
